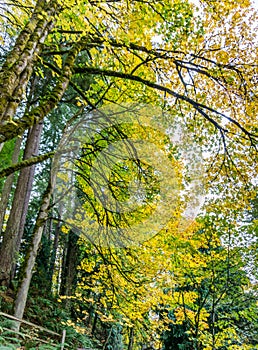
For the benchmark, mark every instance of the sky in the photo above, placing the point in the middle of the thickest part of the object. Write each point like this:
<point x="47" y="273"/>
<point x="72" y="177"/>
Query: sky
<point x="255" y="2"/>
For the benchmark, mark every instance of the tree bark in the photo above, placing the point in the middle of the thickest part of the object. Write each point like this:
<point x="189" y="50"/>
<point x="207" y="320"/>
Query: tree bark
<point x="131" y="339"/>
<point x="18" y="67"/>
<point x="55" y="247"/>
<point x="70" y="268"/>
<point x="15" y="225"/>
<point x="5" y="195"/>
<point x="25" y="163"/>
<point x="22" y="293"/>
<point x="48" y="102"/>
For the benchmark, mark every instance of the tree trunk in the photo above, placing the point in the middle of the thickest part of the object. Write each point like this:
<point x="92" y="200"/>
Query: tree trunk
<point x="18" y="67"/>
<point x="70" y="268"/>
<point x="131" y="339"/>
<point x="55" y="247"/>
<point x="8" y="185"/>
<point x="94" y="326"/>
<point x="48" y="102"/>
<point x="32" y="148"/>
<point x="41" y="276"/>
<point x="22" y="293"/>
<point x="16" y="221"/>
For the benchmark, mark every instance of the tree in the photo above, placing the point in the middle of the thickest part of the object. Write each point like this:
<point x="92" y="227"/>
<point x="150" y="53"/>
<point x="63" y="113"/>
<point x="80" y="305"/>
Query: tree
<point x="16" y="220"/>
<point x="223" y="69"/>
<point x="223" y="311"/>
<point x="7" y="187"/>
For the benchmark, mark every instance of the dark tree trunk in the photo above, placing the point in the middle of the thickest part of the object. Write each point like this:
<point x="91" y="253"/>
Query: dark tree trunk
<point x="5" y="195"/>
<point x="69" y="275"/>
<point x="16" y="221"/>
<point x="131" y="339"/>
<point x="94" y="325"/>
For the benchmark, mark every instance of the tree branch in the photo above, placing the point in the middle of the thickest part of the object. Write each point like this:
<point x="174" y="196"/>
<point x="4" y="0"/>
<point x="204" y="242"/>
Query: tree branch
<point x="201" y="108"/>
<point x="25" y="163"/>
